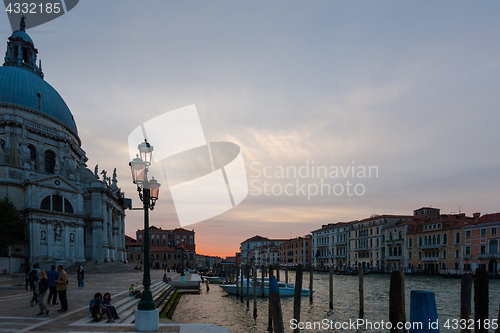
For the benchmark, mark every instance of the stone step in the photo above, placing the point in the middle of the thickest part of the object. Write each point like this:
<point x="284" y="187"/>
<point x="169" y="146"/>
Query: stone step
<point x="126" y="307"/>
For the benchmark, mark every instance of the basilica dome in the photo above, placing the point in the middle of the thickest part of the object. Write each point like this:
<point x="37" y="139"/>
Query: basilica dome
<point x="22" y="83"/>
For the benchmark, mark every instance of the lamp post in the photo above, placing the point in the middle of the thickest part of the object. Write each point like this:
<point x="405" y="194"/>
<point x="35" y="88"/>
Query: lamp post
<point x="147" y="316"/>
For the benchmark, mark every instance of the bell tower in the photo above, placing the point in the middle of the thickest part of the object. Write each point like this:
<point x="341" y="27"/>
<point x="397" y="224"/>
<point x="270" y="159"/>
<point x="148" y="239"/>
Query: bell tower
<point x="21" y="51"/>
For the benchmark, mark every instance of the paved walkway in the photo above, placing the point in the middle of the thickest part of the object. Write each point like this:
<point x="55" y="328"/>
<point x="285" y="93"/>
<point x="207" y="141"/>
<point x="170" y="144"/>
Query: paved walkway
<point x="18" y="316"/>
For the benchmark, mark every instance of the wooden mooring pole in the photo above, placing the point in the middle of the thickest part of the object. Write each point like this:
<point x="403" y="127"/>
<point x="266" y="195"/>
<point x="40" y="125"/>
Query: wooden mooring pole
<point x="286" y="274"/>
<point x="481" y="300"/>
<point x="263" y="277"/>
<point x="237" y="281"/>
<point x="248" y="286"/>
<point x="298" y="294"/>
<point x="311" y="283"/>
<point x="361" y="296"/>
<point x="270" y="320"/>
<point x="330" y="271"/>
<point x="397" y="311"/>
<point x="254" y="283"/>
<point x="275" y="305"/>
<point x="466" y="301"/>
<point x="241" y="282"/>
<point x="278" y="273"/>
<point x="423" y="310"/>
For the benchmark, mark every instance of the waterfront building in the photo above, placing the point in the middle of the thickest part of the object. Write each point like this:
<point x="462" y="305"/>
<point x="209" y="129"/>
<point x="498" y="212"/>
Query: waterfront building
<point x="164" y="248"/>
<point x="265" y="255"/>
<point x="435" y="243"/>
<point x="208" y="262"/>
<point x="248" y="246"/>
<point x="72" y="214"/>
<point x="134" y="249"/>
<point x="482" y="243"/>
<point x="365" y="239"/>
<point x="296" y="251"/>
<point x="330" y="245"/>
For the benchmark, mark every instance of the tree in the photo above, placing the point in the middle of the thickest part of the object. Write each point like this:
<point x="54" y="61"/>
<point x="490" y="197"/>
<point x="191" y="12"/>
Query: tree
<point x="12" y="224"/>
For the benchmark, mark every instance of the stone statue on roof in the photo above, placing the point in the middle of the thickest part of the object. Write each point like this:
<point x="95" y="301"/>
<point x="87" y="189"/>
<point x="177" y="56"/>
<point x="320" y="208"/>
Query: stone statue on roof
<point x="23" y="23"/>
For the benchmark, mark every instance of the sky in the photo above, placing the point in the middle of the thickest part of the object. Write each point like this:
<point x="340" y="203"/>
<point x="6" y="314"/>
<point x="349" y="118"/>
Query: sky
<point x="408" y="90"/>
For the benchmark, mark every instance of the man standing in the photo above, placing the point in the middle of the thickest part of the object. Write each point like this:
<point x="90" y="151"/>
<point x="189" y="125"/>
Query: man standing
<point x="33" y="280"/>
<point x="62" y="286"/>
<point x="53" y="276"/>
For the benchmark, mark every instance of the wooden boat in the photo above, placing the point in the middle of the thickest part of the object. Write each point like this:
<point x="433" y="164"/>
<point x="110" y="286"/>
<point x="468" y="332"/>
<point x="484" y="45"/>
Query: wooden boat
<point x="214" y="279"/>
<point x="286" y="289"/>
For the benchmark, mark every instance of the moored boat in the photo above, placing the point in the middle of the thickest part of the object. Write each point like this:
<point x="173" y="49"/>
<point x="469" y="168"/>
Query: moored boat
<point x="286" y="289"/>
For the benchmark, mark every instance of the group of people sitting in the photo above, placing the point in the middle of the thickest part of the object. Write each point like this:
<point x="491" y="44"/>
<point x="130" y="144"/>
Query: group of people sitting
<point x="99" y="306"/>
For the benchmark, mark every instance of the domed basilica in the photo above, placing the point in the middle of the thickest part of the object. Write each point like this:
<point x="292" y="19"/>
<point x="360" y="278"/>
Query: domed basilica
<point x="73" y="214"/>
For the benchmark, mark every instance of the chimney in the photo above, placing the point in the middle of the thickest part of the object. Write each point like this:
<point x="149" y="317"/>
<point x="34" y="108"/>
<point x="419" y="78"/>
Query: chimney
<point x="476" y="215"/>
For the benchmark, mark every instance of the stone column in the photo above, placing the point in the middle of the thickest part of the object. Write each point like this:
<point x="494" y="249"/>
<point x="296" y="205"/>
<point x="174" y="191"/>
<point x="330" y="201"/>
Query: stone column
<point x="79" y="239"/>
<point x="96" y="241"/>
<point x="35" y="245"/>
<point x="50" y="240"/>
<point x="65" y="238"/>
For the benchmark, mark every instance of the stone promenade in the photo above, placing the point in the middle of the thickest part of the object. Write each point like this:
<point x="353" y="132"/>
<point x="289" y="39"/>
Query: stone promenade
<point x="16" y="314"/>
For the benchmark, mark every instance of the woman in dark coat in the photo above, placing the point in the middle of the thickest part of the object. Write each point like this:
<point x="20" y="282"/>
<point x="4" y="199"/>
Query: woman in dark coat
<point x="42" y="286"/>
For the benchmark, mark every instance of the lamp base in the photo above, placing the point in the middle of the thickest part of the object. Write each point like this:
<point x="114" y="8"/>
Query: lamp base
<point x="183" y="278"/>
<point x="147" y="321"/>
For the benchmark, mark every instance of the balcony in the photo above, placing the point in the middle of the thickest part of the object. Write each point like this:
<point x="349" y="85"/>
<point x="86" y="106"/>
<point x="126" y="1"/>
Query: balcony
<point x="363" y="248"/>
<point x="430" y="259"/>
<point x="467" y="256"/>
<point x="430" y="246"/>
<point x="394" y="257"/>
<point x="340" y="256"/>
<point x="488" y="256"/>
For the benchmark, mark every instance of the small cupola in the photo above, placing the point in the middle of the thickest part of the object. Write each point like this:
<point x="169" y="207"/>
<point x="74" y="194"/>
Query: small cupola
<point x="21" y="51"/>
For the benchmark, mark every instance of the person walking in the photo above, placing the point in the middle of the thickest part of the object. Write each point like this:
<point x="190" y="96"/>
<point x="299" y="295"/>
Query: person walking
<point x="42" y="287"/>
<point x="62" y="287"/>
<point x="33" y="279"/>
<point x="52" y="276"/>
<point x="81" y="275"/>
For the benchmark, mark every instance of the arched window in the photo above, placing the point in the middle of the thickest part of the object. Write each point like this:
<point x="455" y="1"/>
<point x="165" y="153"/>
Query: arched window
<point x="390" y="251"/>
<point x="493" y="246"/>
<point x="425" y="240"/>
<point x="457" y="238"/>
<point x="434" y="239"/>
<point x="420" y="241"/>
<point x="56" y="203"/>
<point x="383" y="238"/>
<point x="400" y="251"/>
<point x="445" y="239"/>
<point x="439" y="239"/>
<point x="32" y="154"/>
<point x="390" y="236"/>
<point x="400" y="235"/>
<point x="50" y="161"/>
<point x="410" y="242"/>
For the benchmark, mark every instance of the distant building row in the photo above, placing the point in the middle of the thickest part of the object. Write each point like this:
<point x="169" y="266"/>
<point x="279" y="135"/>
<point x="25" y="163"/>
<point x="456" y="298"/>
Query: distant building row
<point x="426" y="240"/>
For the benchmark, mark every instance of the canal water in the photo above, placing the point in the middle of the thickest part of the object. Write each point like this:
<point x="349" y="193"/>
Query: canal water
<point x="219" y="308"/>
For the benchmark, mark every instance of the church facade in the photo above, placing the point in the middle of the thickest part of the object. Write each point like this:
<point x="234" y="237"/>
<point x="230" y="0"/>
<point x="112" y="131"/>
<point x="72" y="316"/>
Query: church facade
<point x="73" y="214"/>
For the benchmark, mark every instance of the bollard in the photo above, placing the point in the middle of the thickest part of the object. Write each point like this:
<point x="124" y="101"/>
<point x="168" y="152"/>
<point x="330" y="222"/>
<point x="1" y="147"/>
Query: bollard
<point x="286" y="274"/>
<point x="397" y="312"/>
<point x="481" y="300"/>
<point x="254" y="284"/>
<point x="466" y="301"/>
<point x="274" y="301"/>
<point x="423" y="310"/>
<point x="331" y="286"/>
<point x="298" y="294"/>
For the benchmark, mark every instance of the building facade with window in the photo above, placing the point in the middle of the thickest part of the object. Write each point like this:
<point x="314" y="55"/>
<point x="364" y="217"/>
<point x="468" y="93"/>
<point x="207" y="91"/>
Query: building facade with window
<point x="296" y="251"/>
<point x="330" y="245"/>
<point x="165" y="247"/>
<point x="482" y="243"/>
<point x="437" y="243"/>
<point x="248" y="246"/>
<point x="73" y="214"/>
<point x="366" y="237"/>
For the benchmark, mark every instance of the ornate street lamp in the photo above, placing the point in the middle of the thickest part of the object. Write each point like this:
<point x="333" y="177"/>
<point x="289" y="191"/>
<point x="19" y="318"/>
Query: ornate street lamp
<point x="148" y="193"/>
